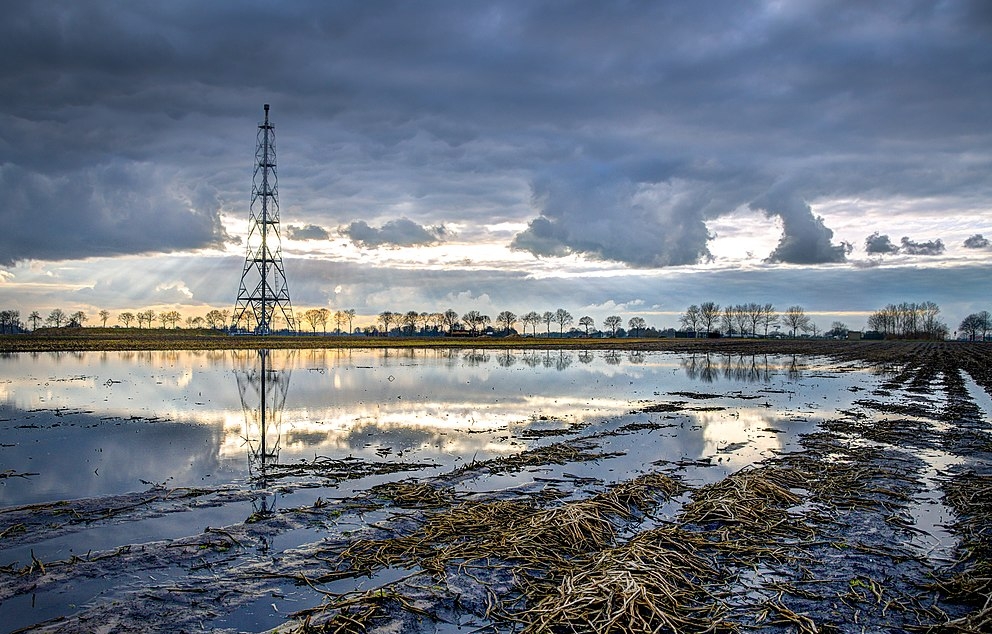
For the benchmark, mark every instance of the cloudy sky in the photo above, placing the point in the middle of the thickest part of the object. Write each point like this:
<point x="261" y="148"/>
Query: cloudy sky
<point x="606" y="157"/>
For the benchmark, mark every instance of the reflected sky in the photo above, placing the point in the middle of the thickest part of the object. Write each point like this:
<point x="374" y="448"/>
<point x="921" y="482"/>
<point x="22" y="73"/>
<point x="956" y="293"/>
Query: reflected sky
<point x="100" y="423"/>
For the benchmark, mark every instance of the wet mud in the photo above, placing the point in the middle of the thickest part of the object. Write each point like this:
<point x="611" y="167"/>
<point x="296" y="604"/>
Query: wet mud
<point x="876" y="519"/>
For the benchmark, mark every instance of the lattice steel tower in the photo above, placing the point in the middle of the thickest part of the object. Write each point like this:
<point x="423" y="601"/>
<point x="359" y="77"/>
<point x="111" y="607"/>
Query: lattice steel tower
<point x="264" y="293"/>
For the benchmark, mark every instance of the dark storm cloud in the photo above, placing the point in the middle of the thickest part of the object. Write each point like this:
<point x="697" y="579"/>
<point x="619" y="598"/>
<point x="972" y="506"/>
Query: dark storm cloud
<point x="614" y="220"/>
<point x="307" y="232"/>
<point x="805" y="239"/>
<point x="632" y="124"/>
<point x="99" y="212"/>
<point x="977" y="241"/>
<point x="876" y="244"/>
<point x="401" y="233"/>
<point x="930" y="247"/>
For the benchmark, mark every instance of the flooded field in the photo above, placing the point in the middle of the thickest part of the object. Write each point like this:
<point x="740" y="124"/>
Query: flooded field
<point x="444" y="490"/>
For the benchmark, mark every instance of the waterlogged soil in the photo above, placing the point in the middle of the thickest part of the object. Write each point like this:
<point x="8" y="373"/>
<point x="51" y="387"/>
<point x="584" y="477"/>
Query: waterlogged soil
<point x="870" y="511"/>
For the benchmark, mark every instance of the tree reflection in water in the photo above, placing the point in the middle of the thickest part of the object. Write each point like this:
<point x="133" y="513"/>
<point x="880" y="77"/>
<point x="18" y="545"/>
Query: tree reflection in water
<point x="750" y="368"/>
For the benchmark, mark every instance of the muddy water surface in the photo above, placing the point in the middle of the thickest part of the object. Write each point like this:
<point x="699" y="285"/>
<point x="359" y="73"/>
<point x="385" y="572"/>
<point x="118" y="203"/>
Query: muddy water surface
<point x="108" y="454"/>
<point x="92" y="424"/>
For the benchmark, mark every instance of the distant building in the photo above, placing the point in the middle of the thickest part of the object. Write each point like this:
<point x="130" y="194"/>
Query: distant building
<point x="854" y="335"/>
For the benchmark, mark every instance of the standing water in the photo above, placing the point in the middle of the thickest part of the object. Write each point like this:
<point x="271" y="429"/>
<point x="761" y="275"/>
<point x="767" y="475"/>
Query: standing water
<point x="114" y="450"/>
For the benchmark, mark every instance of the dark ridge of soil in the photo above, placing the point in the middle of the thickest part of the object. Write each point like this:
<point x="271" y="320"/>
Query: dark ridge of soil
<point x="916" y="355"/>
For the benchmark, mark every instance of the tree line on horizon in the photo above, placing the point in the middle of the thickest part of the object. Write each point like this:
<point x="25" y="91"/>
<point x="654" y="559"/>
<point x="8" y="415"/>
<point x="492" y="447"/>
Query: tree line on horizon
<point x="474" y="323"/>
<point x="708" y="319"/>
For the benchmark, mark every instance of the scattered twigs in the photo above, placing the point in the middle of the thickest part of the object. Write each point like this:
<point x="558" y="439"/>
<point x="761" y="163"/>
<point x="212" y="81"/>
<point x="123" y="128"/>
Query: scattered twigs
<point x="338" y="470"/>
<point x="970" y="494"/>
<point x="650" y="584"/>
<point x="558" y="453"/>
<point x="752" y="502"/>
<point x="785" y="616"/>
<point x="411" y="494"/>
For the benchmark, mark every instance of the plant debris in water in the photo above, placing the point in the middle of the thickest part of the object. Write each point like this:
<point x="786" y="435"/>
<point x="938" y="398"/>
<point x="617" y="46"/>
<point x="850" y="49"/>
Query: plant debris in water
<point x="821" y="538"/>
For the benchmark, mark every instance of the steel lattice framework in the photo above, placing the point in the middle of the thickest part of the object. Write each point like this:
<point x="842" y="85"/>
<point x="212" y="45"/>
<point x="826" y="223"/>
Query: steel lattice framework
<point x="263" y="392"/>
<point x="264" y="293"/>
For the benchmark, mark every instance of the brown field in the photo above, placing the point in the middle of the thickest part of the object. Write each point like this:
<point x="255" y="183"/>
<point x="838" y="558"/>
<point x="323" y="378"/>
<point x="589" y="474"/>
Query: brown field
<point x="109" y="339"/>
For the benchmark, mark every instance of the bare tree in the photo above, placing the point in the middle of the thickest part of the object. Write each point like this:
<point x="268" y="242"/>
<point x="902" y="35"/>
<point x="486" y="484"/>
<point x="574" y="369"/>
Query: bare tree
<point x="709" y="315"/>
<point x="587" y="323"/>
<point x="769" y="317"/>
<point x="56" y="318"/>
<point x="531" y="319"/>
<point x="548" y="318"/>
<point x="10" y="321"/>
<point x="691" y="319"/>
<point x="450" y="318"/>
<point x="145" y="317"/>
<point x="741" y="318"/>
<point x="472" y="319"/>
<point x="505" y="320"/>
<point x="753" y="312"/>
<point x="243" y="320"/>
<point x="976" y="323"/>
<point x="930" y="326"/>
<point x="985" y="322"/>
<point x="339" y="318"/>
<point x="35" y="319"/>
<point x="104" y="316"/>
<point x="386" y="318"/>
<point x="437" y="321"/>
<point x="970" y="327"/>
<point x="126" y="318"/>
<point x="562" y="318"/>
<point x="410" y="319"/>
<point x="312" y="317"/>
<point x="727" y="321"/>
<point x="216" y="318"/>
<point x="173" y="317"/>
<point x="637" y="325"/>
<point x="909" y="320"/>
<point x="795" y="318"/>
<point x="612" y="322"/>
<point x="484" y="321"/>
<point x="838" y="329"/>
<point x="325" y="314"/>
<point x="350" y="316"/>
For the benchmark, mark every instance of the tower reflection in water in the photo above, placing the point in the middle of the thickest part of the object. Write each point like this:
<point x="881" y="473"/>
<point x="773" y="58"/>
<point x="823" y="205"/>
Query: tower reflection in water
<point x="263" y="390"/>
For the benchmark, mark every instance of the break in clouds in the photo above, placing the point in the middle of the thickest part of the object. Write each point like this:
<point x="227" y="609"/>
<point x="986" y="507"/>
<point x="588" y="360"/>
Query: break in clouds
<point x="612" y="130"/>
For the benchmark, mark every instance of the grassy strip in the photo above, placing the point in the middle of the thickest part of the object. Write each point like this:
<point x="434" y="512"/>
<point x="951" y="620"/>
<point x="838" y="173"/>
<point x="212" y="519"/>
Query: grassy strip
<point x="113" y="339"/>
